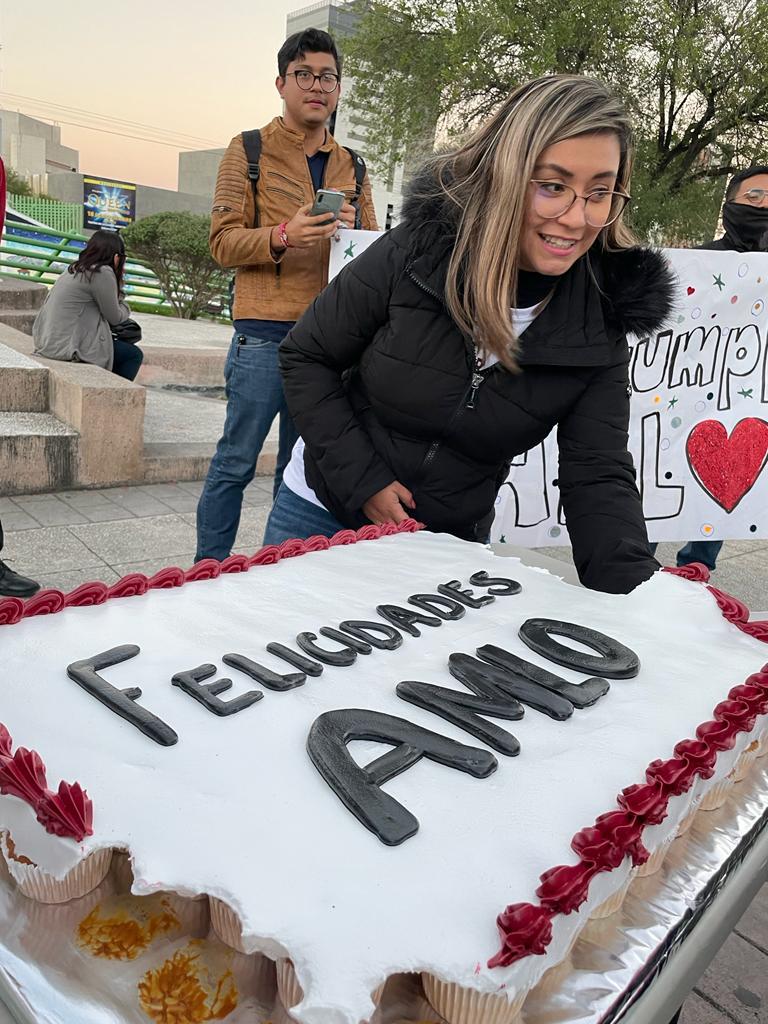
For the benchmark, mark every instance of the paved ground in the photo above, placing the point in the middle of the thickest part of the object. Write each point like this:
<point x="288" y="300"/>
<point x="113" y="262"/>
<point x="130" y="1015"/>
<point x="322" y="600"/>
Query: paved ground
<point x="69" y="538"/>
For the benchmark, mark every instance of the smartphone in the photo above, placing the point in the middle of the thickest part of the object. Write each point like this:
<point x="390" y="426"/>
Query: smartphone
<point x="327" y="201"/>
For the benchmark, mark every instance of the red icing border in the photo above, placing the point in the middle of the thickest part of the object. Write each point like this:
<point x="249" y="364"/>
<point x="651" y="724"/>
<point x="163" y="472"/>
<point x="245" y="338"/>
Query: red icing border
<point x="525" y="929"/>
<point x="68" y="812"/>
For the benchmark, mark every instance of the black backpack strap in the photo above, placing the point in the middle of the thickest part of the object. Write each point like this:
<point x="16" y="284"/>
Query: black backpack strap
<point x="252" y="147"/>
<point x="359" y="165"/>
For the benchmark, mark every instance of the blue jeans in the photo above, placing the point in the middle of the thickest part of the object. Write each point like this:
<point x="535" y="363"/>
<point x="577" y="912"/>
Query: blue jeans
<point x="255" y="397"/>
<point x="128" y="359"/>
<point x="704" y="551"/>
<point x="292" y="516"/>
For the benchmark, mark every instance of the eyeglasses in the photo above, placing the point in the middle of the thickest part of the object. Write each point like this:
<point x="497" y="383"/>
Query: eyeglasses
<point x="551" y="199"/>
<point x="755" y="196"/>
<point x="306" y="80"/>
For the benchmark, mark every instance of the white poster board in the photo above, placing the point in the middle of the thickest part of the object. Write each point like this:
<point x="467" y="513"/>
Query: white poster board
<point x="699" y="416"/>
<point x="346" y="246"/>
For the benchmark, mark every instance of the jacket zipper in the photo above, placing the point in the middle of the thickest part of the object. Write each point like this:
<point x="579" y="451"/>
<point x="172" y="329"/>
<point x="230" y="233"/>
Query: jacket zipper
<point x="467" y="399"/>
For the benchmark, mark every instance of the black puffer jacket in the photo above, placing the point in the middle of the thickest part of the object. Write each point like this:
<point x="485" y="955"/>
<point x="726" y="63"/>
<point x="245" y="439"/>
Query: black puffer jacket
<point x="379" y="380"/>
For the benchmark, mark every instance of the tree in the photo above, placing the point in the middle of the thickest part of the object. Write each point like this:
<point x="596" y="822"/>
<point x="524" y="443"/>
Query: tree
<point x="693" y="73"/>
<point x="175" y="247"/>
<point x="16" y="184"/>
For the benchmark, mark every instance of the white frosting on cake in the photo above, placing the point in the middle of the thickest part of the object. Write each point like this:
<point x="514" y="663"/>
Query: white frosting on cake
<point x="237" y="810"/>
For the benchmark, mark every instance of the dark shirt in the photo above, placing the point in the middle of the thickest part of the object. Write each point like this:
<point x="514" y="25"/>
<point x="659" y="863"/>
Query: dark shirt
<point x="317" y="165"/>
<point x="269" y="330"/>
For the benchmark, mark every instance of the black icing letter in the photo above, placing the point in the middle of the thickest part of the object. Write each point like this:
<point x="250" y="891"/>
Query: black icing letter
<point x="581" y="695"/>
<point x="404" y="618"/>
<point x="464" y="710"/>
<point x="371" y="633"/>
<point x="361" y="646"/>
<point x="307" y="665"/>
<point x="207" y="694"/>
<point x="359" y="789"/>
<point x="494" y="682"/>
<point x="453" y="589"/>
<point x="443" y="607"/>
<point x="346" y="656"/>
<point x="498" y="585"/>
<point x="123" y="702"/>
<point x="613" y="659"/>
<point x="265" y="676"/>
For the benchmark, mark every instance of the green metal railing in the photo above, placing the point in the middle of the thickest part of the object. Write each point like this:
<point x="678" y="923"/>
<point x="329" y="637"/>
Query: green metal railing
<point x="57" y="215"/>
<point x="40" y="253"/>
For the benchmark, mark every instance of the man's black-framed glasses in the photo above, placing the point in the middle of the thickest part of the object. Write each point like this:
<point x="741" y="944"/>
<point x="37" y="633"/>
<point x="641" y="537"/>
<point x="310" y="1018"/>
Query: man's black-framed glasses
<point x="329" y="82"/>
<point x="756" y="196"/>
<point x="551" y="199"/>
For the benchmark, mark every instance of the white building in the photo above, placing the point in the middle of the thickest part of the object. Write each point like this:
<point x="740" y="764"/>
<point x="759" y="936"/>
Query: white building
<point x="33" y="148"/>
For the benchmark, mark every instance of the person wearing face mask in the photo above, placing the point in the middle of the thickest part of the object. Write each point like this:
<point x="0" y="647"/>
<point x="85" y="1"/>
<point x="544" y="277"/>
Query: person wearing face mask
<point x="496" y="310"/>
<point x="745" y="220"/>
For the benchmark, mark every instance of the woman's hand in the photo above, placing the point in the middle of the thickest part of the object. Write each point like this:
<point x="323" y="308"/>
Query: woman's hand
<point x="386" y="506"/>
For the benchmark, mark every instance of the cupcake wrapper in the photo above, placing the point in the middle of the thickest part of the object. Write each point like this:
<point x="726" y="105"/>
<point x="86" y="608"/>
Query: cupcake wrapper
<point x="762" y="745"/>
<point x="612" y="904"/>
<point x="717" y="796"/>
<point x="226" y="924"/>
<point x="291" y="992"/>
<point x="745" y="762"/>
<point x="288" y="987"/>
<point x="654" y="862"/>
<point x="460" y="1005"/>
<point x="82" y="879"/>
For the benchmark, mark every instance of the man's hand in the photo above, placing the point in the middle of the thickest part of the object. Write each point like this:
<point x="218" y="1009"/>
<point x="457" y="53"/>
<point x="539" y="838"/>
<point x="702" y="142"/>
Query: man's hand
<point x="386" y="506"/>
<point x="304" y="231"/>
<point x="347" y="215"/>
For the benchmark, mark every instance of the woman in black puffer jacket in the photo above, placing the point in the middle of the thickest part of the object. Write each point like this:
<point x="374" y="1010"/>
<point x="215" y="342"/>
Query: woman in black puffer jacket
<point x="496" y="310"/>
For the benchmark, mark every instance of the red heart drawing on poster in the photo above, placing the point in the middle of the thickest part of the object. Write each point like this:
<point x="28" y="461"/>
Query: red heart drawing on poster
<point x="727" y="467"/>
<point x="690" y="290"/>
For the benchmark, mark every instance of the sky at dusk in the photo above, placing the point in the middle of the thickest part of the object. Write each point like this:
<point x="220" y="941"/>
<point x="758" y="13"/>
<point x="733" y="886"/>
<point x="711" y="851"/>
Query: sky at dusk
<point x="190" y="67"/>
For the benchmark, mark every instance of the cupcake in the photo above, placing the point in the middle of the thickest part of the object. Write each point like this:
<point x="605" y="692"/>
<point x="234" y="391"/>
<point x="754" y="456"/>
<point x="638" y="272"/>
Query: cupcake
<point x="614" y="902"/>
<point x="656" y="859"/>
<point x="459" y="1005"/>
<point x="37" y="884"/>
<point x="745" y="762"/>
<point x="290" y="991"/>
<point x="716" y="796"/>
<point x="226" y="925"/>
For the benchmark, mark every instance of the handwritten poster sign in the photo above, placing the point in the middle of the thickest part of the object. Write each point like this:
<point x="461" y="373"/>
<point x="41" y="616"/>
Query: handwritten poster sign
<point x="699" y="416"/>
<point x="347" y="246"/>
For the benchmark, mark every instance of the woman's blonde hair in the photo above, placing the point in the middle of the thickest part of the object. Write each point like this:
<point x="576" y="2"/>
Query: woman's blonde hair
<point x="486" y="180"/>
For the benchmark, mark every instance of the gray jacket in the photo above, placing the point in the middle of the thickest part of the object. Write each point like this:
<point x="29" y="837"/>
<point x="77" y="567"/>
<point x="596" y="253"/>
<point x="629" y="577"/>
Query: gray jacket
<point x="75" y="319"/>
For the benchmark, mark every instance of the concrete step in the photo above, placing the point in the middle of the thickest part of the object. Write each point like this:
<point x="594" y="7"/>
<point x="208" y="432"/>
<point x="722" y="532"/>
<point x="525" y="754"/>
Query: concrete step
<point x="23" y="383"/>
<point x="166" y="364"/>
<point x="19" y="319"/>
<point x="176" y="462"/>
<point x="37" y="453"/>
<point x="22" y="295"/>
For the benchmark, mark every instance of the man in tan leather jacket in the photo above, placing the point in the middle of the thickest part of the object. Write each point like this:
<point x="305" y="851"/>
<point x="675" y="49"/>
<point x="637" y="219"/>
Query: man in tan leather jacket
<point x="280" y="254"/>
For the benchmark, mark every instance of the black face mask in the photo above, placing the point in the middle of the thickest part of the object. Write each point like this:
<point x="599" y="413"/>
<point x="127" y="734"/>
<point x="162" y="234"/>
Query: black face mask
<point x="746" y="227"/>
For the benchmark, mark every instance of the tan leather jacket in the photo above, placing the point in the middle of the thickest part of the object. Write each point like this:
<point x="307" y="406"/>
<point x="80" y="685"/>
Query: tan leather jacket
<point x="267" y="288"/>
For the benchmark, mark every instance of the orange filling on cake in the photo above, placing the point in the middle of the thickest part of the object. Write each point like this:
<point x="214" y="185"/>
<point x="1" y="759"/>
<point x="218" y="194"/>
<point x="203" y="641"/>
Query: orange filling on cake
<point x="122" y="929"/>
<point x="184" y="990"/>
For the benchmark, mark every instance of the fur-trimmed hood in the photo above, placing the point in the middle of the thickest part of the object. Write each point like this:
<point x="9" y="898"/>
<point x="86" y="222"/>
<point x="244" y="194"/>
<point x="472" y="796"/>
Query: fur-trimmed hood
<point x="637" y="285"/>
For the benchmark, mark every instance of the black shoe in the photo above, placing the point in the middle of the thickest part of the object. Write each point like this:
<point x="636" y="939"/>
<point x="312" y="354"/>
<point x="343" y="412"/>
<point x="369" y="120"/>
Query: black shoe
<point x="14" y="585"/>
